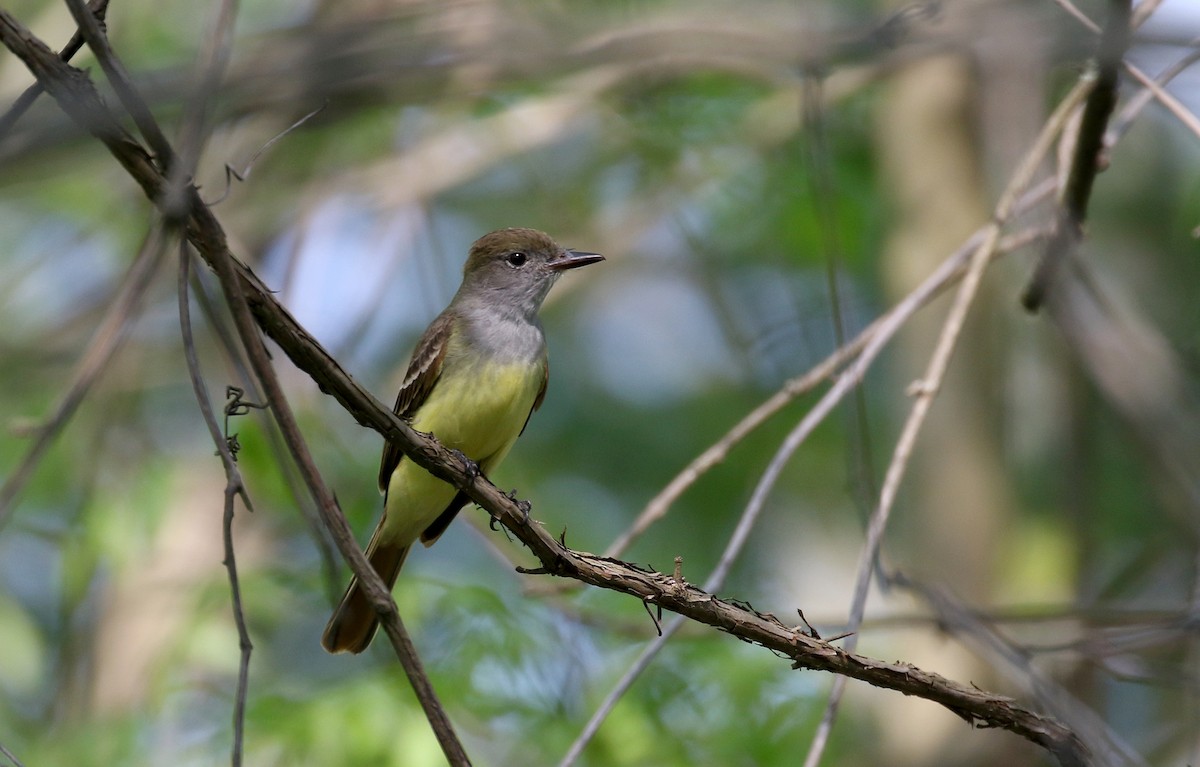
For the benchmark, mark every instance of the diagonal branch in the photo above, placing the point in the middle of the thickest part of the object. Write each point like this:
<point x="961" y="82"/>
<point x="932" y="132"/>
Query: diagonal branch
<point x="76" y="95"/>
<point x="89" y="27"/>
<point x="1085" y="162"/>
<point x="226" y="338"/>
<point x="247" y="295"/>
<point x="867" y="345"/>
<point x="926" y="389"/>
<point x="10" y="756"/>
<point x="105" y="343"/>
<point x="957" y="619"/>
<point x="234" y="486"/>
<point x="950" y="271"/>
<point x="98" y="8"/>
<point x="978" y="707"/>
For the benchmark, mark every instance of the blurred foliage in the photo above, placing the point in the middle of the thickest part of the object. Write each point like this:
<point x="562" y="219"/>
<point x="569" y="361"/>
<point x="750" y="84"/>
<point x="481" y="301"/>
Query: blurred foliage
<point x="670" y="137"/>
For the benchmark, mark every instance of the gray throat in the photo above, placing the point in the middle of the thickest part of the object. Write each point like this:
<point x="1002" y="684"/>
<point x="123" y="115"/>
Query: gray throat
<point x="506" y="332"/>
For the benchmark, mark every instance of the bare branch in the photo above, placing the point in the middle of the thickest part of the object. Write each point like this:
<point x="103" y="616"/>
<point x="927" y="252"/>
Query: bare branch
<point x="926" y="389"/>
<point x="10" y="756"/>
<point x="76" y="95"/>
<point x="211" y="64"/>
<point x="950" y="271"/>
<point x="98" y="8"/>
<point x="246" y="295"/>
<point x="216" y="50"/>
<point x="228" y="271"/>
<point x="1172" y="104"/>
<point x="1145" y="9"/>
<point x="97" y="40"/>
<point x="957" y="620"/>
<point x="1085" y="163"/>
<point x="234" y="486"/>
<point x="945" y="275"/>
<point x="105" y="343"/>
<point x="317" y="531"/>
<point x="651" y="587"/>
<point x="1153" y="87"/>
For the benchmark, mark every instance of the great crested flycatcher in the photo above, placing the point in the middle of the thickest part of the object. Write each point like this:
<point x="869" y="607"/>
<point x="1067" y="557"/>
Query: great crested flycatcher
<point x="476" y="376"/>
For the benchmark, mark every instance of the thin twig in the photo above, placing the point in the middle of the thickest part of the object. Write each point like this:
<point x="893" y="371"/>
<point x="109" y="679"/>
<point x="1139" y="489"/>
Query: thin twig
<point x="875" y="336"/>
<point x="234" y="487"/>
<point x="98" y="8"/>
<point x="927" y="388"/>
<point x="1153" y="86"/>
<point x="232" y="173"/>
<point x="119" y="78"/>
<point x="1085" y="162"/>
<point x="10" y="756"/>
<point x="210" y="66"/>
<point x="74" y="93"/>
<point x="376" y="591"/>
<point x="824" y="195"/>
<point x="1145" y="9"/>
<point x="957" y="619"/>
<point x="214" y="56"/>
<point x="658" y="506"/>
<point x="1138" y="102"/>
<point x="105" y="342"/>
<point x="1169" y="102"/>
<point x="77" y="96"/>
<point x="1074" y="12"/>
<point x="934" y="284"/>
<point x="316" y="528"/>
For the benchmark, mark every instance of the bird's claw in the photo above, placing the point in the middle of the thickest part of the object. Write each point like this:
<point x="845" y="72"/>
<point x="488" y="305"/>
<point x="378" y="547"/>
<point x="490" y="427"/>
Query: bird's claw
<point x="469" y="467"/>
<point x="523" y="505"/>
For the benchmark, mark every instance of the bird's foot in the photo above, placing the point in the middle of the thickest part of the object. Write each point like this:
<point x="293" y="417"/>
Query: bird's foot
<point x="470" y="468"/>
<point x="523" y="505"/>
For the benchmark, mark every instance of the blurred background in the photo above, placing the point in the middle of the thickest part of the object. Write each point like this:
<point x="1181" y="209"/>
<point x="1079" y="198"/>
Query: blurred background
<point x="765" y="179"/>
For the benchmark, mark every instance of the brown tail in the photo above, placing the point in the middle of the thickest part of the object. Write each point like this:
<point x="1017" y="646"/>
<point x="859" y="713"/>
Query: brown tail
<point x="354" y="621"/>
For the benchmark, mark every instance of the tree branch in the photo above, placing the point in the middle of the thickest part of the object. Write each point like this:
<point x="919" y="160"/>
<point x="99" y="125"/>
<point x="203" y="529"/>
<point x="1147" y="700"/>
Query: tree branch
<point x="247" y="295"/>
<point x="1085" y="162"/>
<point x="98" y="8"/>
<point x="234" y="486"/>
<point x="76" y="95"/>
<point x="105" y="343"/>
<point x="97" y="40"/>
<point x="10" y="756"/>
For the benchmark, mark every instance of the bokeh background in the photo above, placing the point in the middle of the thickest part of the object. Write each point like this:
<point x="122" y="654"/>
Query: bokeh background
<point x="734" y="162"/>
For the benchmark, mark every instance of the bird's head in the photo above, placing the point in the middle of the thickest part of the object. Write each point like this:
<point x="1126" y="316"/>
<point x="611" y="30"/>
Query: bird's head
<point x="517" y="267"/>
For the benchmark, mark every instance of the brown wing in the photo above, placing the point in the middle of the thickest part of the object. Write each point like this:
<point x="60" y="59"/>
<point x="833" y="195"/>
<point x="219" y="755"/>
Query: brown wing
<point x="424" y="369"/>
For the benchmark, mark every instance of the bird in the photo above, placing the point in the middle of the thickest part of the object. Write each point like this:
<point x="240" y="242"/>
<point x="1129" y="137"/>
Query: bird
<point x="474" y="379"/>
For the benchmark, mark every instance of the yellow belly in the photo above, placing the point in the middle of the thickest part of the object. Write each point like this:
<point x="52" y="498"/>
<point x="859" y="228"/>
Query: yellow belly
<point x="479" y="412"/>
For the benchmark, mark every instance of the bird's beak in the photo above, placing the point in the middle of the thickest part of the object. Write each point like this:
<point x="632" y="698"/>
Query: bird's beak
<point x="570" y="259"/>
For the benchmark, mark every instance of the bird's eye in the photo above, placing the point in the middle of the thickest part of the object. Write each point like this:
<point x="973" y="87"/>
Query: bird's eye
<point x="516" y="259"/>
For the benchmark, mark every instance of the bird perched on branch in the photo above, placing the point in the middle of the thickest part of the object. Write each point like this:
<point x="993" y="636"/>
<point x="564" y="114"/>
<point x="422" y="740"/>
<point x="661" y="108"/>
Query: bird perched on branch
<point x="476" y="376"/>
